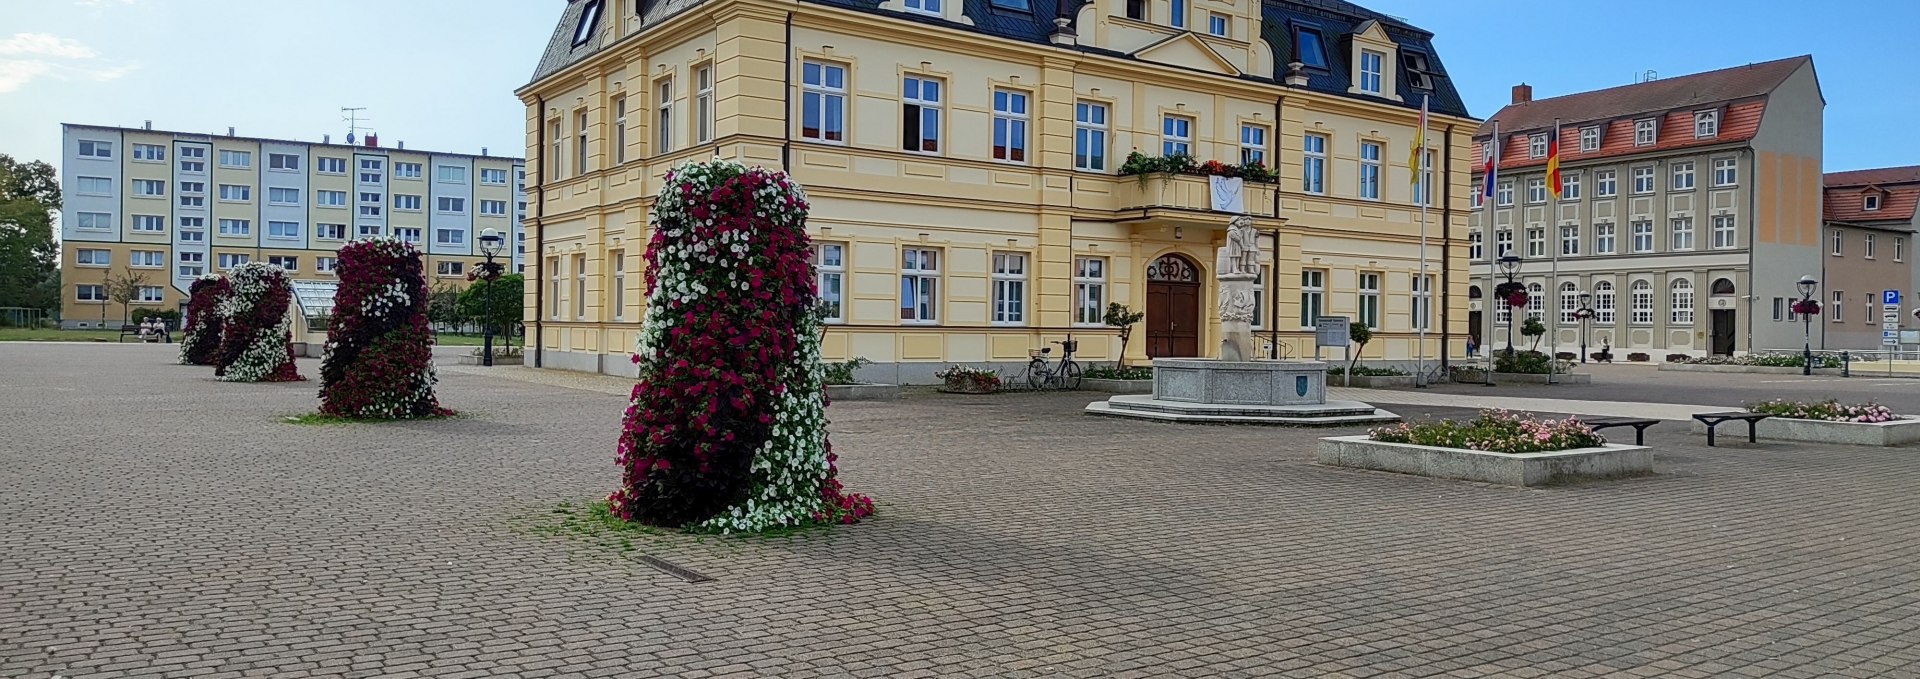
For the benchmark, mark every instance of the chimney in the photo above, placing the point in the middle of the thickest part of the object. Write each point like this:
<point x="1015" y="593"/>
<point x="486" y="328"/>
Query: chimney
<point x="1522" y="93"/>
<point x="326" y="139"/>
<point x="402" y="145"/>
<point x="229" y="130"/>
<point x="147" y="126"/>
<point x="483" y="150"/>
<point x="373" y="140"/>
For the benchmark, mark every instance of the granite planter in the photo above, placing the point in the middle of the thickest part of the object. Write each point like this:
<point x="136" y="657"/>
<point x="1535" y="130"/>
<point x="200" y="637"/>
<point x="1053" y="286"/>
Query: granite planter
<point x="1610" y="461"/>
<point x="1371" y="381"/>
<point x="515" y="359"/>
<point x="1476" y="376"/>
<point x="863" y="392"/>
<point x="1895" y="433"/>
<point x="1117" y="386"/>
<point x="1749" y="369"/>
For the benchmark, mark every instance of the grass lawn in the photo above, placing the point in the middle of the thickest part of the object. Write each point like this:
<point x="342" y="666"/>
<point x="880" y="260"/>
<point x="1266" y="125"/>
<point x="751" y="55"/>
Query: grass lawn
<point x="447" y="339"/>
<point x="47" y="335"/>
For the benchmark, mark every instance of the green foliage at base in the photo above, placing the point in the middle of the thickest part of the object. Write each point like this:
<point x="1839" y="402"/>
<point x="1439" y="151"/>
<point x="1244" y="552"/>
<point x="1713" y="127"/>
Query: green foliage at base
<point x="1367" y="371"/>
<point x="1529" y="363"/>
<point x="842" y="372"/>
<point x="320" y="419"/>
<point x="1107" y="372"/>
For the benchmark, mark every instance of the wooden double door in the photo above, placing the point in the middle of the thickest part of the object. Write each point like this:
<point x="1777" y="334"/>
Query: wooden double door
<point x="1173" y="308"/>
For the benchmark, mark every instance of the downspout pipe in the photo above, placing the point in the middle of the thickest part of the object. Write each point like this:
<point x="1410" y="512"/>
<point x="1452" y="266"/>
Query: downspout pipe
<point x="1446" y="252"/>
<point x="1273" y="282"/>
<point x="539" y="234"/>
<point x="786" y="96"/>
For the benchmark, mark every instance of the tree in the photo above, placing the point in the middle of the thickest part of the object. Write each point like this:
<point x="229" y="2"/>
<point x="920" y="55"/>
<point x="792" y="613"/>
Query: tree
<point x="1360" y="335"/>
<point x="505" y="293"/>
<point x="1533" y="328"/>
<point x="1122" y="317"/>
<point x="29" y="197"/>
<point x="123" y="289"/>
<point x="443" y="307"/>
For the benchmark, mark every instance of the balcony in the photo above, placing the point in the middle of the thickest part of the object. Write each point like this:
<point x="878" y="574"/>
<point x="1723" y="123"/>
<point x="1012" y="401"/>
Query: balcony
<point x="1184" y="198"/>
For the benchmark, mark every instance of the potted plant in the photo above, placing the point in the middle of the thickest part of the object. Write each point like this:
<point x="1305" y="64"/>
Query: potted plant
<point x="1123" y="317"/>
<point x="1496" y="447"/>
<point x="960" y="379"/>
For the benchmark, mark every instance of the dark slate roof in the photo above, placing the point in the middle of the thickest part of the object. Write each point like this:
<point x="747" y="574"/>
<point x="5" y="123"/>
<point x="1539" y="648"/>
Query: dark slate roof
<point x="1335" y="18"/>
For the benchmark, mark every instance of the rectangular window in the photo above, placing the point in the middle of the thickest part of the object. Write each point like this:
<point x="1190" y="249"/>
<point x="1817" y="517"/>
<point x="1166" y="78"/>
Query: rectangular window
<point x="1009" y="288"/>
<point x="1090" y="290"/>
<point x="1606" y="184"/>
<point x="450" y="236"/>
<point x="1178" y="13"/>
<point x="94" y="186"/>
<point x="1137" y="10"/>
<point x="1537" y="190"/>
<point x="1589" y="139"/>
<point x="369" y="204"/>
<point x="1723" y="232"/>
<point x="1370" y="170"/>
<point x="283" y="161"/>
<point x="1423" y="190"/>
<point x="408" y="234"/>
<point x="619" y="131"/>
<point x="1253" y="144"/>
<point x="231" y="260"/>
<point x="450" y="174"/>
<point x="149" y="223"/>
<point x="823" y="103"/>
<point x="1176" y="136"/>
<point x="238" y="193"/>
<point x="149" y="152"/>
<point x="1680" y="233"/>
<point x="1645" y="132"/>
<point x="1640" y="299"/>
<point x="1779" y="309"/>
<point x="291" y="264"/>
<point x="94" y="221"/>
<point x="1603" y="239"/>
<point x="1478" y="197"/>
<point x="1503" y="242"/>
<point x="1260" y="298"/>
<point x="618" y="258"/>
<point x="1370" y="71"/>
<point x="90" y="293"/>
<point x="96" y="149"/>
<point x="153" y="188"/>
<point x="1476" y="245"/>
<point x="920" y="100"/>
<point x="280" y="196"/>
<point x="1314" y="163"/>
<point x="559" y="138"/>
<point x="1422" y="302"/>
<point x="325" y="264"/>
<point x="664" y="102"/>
<point x="149" y="259"/>
<point x="1603" y="303"/>
<point x="1369" y="300"/>
<point x="451" y="206"/>
<point x="830" y="274"/>
<point x="330" y="231"/>
<point x="1313" y="291"/>
<point x="1839" y="306"/>
<point x="1537" y="242"/>
<point x="328" y="165"/>
<point x="239" y="159"/>
<point x="193" y="224"/>
<point x="1706" y="124"/>
<point x="1899" y="249"/>
<point x="371" y="170"/>
<point x="589" y="21"/>
<point x="1870" y="203"/>
<point x="407" y="170"/>
<point x="1683" y="176"/>
<point x="404" y="201"/>
<point x="236" y="227"/>
<point x="580" y="287"/>
<point x="367" y="231"/>
<point x="283" y="229"/>
<point x="493" y="208"/>
<point x="1010" y="126"/>
<point x="1569" y="240"/>
<point x="1090" y="136"/>
<point x="1866" y="245"/>
<point x="1570" y="186"/>
<point x="151" y="294"/>
<point x="554" y="286"/>
<point x="192" y="264"/>
<point x="1218" y="24"/>
<point x="449" y="269"/>
<point x="92" y="257"/>
<point x="1726" y="171"/>
<point x="193" y="159"/>
<point x="1839" y="242"/>
<point x="1643" y="236"/>
<point x="1642" y="180"/>
<point x="493" y="175"/>
<point x="703" y="104"/>
<point x="1503" y="194"/>
<point x="582" y="152"/>
<point x="324" y="198"/>
<point x="1537" y="146"/>
<point x="931" y="7"/>
<point x="919" y="285"/>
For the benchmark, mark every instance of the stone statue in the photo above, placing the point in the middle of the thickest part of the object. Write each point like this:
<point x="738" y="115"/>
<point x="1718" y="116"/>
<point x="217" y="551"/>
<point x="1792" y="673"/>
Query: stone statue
<point x="1237" y="265"/>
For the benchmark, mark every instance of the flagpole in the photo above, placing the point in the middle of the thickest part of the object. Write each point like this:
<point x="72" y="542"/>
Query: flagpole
<point x="1553" y="278"/>
<point x="1488" y="226"/>
<point x="1425" y="303"/>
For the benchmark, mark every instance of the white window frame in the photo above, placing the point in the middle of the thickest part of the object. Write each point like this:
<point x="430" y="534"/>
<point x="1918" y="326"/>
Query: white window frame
<point x="1899" y="248"/>
<point x="1367" y="299"/>
<point x="410" y="234"/>
<point x="92" y="148"/>
<point x="1011" y="115"/>
<point x="1682" y="176"/>
<point x="1606" y="183"/>
<point x="925" y="283"/>
<point x="1010" y="288"/>
<point x="921" y="107"/>
<point x="149" y="223"/>
<point x="1313" y="154"/>
<point x="148" y="259"/>
<point x="1726" y="171"/>
<point x="1090" y="120"/>
<point x="326" y="165"/>
<point x="927" y="7"/>
<point x="1839" y="242"/>
<point x="1219" y="25"/>
<point x="1838" y="309"/>
<point x="325" y="264"/>
<point x="1569" y="303"/>
<point x="1706" y="124"/>
<point x="1640" y="302"/>
<point x="450" y="205"/>
<point x="1606" y="238"/>
<point x="618" y="260"/>
<point x="1313" y="296"/>
<point x="407" y="170"/>
<point x="1253" y="144"/>
<point x="1570" y="186"/>
<point x="290" y="263"/>
<point x="190" y="264"/>
<point x="1642" y="235"/>
<point x="1422" y="301"/>
<point x="1589" y="139"/>
<point x="1646" y="132"/>
<point x="1503" y="242"/>
<point x="450" y="174"/>
<point x="193" y="159"/>
<point x="1537" y="146"/>
<point x="450" y="236"/>
<point x="321" y="196"/>
<point x="1604" y="302"/>
<point x="1177" y="16"/>
<point x="832" y="270"/>
<point x="1569" y="240"/>
<point x="93" y="257"/>
<point x="1725" y="232"/>
<point x="1536" y="241"/>
<point x="580" y="287"/>
<point x="228" y="260"/>
<point x="1644" y="181"/>
<point x="90" y="292"/>
<point x="93" y="186"/>
<point x="1476" y="245"/>
<point x="149" y="153"/>
<point x="1369" y="177"/>
<point x="1870" y="202"/>
<point x="1503" y="194"/>
<point x="499" y="208"/>
<point x="703" y="103"/>
<point x="1176" y="135"/>
<point x="663" y="104"/>
<point x="1866" y="245"/>
<point x="235" y="158"/>
<point x="1536" y="190"/>
<point x="1089" y="291"/>
<point x="329" y="231"/>
<point x="1372" y="72"/>
<point x="1680" y="234"/>
<point x="282" y="224"/>
<point x="245" y="193"/>
<point x="282" y="192"/>
<point x="150" y="188"/>
<point x="283" y="162"/>
<point x="816" y="92"/>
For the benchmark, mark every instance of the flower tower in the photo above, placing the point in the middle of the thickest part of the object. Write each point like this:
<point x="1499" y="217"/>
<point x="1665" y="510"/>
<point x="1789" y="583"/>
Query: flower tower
<point x="727" y="428"/>
<point x="256" y="342"/>
<point x="200" y="339"/>
<point x="379" y="358"/>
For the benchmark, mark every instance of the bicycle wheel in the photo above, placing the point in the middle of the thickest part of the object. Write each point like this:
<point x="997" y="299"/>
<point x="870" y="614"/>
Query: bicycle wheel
<point x="1070" y="375"/>
<point x="1036" y="373"/>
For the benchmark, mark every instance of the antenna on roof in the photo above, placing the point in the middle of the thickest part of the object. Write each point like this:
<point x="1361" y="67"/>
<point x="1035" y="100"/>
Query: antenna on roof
<point x="352" y="117"/>
<point x="1649" y="76"/>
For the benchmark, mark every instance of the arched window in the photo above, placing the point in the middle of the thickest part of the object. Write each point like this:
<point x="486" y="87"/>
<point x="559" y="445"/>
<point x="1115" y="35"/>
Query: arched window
<point x="1722" y="286"/>
<point x="1683" y="302"/>
<point x="1603" y="302"/>
<point x="1640" y="296"/>
<point x="1536" y="301"/>
<point x="1473" y="292"/>
<point x="1569" y="303"/>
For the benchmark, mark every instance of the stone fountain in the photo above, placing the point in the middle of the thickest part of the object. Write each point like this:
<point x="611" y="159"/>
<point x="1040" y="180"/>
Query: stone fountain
<point x="1238" y="387"/>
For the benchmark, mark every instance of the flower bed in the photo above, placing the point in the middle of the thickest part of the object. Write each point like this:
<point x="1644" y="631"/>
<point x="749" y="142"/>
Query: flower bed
<point x="379" y="354"/>
<point x="1140" y="164"/>
<point x="1829" y="410"/>
<point x="1494" y="431"/>
<point x="960" y="379"/>
<point x="1864" y="424"/>
<point x="1775" y="360"/>
<point x="1496" y="447"/>
<point x="200" y="339"/>
<point x="726" y="430"/>
<point x="256" y="339"/>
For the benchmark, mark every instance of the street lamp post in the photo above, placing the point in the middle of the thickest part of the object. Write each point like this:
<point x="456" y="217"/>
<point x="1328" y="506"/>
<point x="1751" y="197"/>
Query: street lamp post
<point x="1509" y="265"/>
<point x="1585" y="313"/>
<point x="490" y="245"/>
<point x="1806" y="285"/>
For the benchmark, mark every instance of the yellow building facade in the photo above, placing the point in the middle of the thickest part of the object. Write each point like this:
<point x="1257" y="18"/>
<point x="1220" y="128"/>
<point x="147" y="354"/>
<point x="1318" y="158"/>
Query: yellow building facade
<point x="964" y="165"/>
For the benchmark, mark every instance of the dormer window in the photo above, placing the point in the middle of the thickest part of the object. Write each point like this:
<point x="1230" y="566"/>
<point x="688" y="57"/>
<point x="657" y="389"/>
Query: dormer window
<point x="1537" y="146"/>
<point x="1645" y="132"/>
<point x="929" y="7"/>
<point x="589" y="19"/>
<point x="1706" y="124"/>
<point x="1217" y="24"/>
<point x="1015" y="5"/>
<point x="1589" y="139"/>
<point x="1179" y="17"/>
<point x="1308" y="48"/>
<point x="1371" y="63"/>
<point x="1871" y="202"/>
<point x="1137" y="10"/>
<point x="1419" y="75"/>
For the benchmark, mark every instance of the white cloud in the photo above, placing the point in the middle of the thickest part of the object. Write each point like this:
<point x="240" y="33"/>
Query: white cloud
<point x="50" y="56"/>
<point x="96" y="4"/>
<point x="14" y="74"/>
<point x="42" y="44"/>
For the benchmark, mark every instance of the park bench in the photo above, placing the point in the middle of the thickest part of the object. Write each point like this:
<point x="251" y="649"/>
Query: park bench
<point x="130" y="331"/>
<point x="1639" y="426"/>
<point x="1714" y="420"/>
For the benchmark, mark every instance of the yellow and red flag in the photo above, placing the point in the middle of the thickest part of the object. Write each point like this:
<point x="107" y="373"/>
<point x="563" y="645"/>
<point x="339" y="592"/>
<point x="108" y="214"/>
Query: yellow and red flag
<point x="1553" y="160"/>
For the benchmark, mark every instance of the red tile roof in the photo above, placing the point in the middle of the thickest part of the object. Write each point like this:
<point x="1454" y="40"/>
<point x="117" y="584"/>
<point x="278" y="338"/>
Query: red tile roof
<point x="1698" y="90"/>
<point x="1739" y="122"/>
<point x="1881" y="176"/>
<point x="1898" y="188"/>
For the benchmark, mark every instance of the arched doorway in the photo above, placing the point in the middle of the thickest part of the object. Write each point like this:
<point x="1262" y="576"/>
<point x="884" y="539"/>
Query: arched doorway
<point x="1173" y="308"/>
<point x="1474" y="318"/>
<point x="1723" y="302"/>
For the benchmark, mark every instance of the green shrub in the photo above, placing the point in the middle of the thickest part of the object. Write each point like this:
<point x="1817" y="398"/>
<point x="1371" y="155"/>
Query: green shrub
<point x="842" y="372"/>
<point x="1529" y="363"/>
<point x="1495" y="431"/>
<point x="1106" y="372"/>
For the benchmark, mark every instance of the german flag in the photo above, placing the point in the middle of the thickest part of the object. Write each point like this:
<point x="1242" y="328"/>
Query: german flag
<point x="1553" y="160"/>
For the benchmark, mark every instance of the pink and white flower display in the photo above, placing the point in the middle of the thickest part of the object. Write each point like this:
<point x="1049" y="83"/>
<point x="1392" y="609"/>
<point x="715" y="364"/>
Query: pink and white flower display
<point x="200" y="338"/>
<point x="726" y="430"/>
<point x="256" y="341"/>
<point x="379" y="358"/>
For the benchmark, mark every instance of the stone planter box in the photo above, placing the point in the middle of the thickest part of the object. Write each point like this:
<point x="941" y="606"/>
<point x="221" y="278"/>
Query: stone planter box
<point x="863" y="392"/>
<point x="1478" y="377"/>
<point x="516" y="359"/>
<point x="1895" y="433"/>
<point x="1753" y="369"/>
<point x="953" y="387"/>
<point x="1611" y="461"/>
<point x="1117" y="386"/>
<point x="1371" y="381"/>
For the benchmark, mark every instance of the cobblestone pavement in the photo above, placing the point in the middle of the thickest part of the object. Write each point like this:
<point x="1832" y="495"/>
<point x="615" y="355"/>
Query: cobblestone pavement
<point x="158" y="523"/>
<point x="1635" y="383"/>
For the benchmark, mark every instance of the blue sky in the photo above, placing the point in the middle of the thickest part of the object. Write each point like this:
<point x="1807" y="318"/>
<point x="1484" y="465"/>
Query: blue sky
<point x="440" y="74"/>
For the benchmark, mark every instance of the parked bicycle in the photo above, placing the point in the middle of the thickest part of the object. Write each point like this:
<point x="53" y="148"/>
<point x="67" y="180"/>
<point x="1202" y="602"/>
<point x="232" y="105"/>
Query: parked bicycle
<point x="1062" y="375"/>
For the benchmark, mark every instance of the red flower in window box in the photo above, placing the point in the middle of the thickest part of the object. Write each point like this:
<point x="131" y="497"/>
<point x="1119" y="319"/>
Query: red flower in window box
<point x="1806" y="307"/>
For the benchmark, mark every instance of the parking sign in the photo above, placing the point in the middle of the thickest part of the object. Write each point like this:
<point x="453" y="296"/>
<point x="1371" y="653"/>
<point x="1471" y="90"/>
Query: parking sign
<point x="1890" y="298"/>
